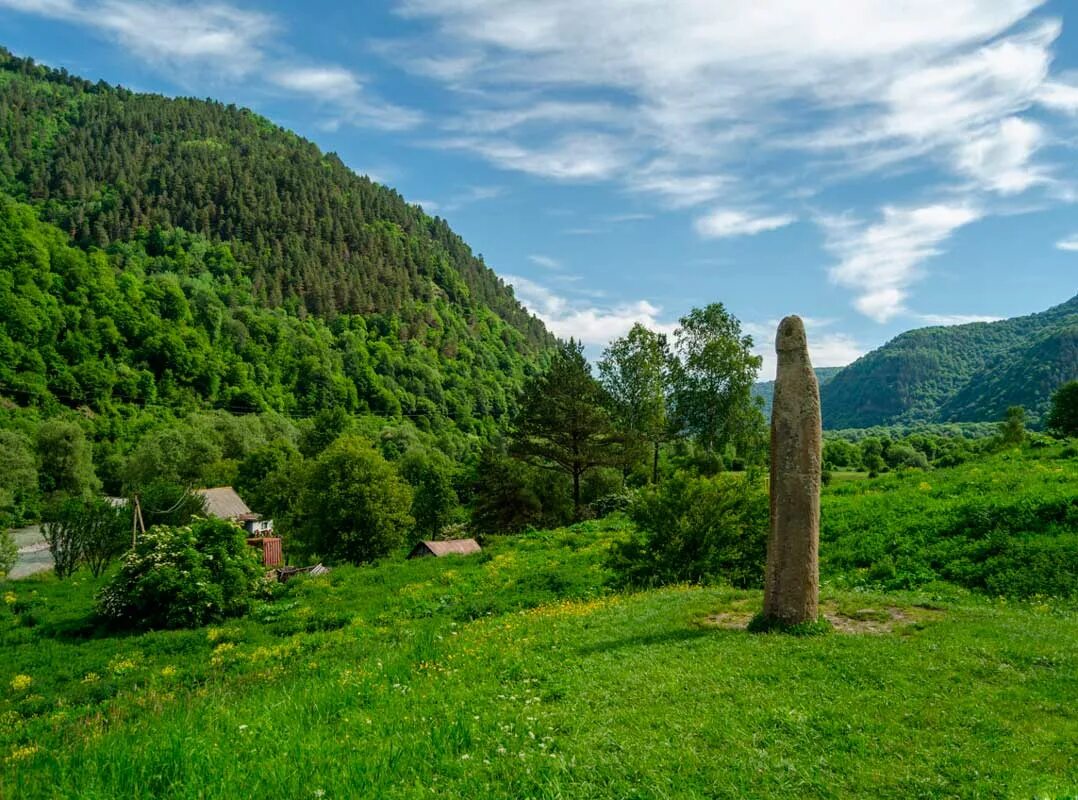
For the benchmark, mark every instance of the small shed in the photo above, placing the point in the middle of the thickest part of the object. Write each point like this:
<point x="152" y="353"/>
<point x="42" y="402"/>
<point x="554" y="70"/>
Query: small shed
<point x="449" y="547"/>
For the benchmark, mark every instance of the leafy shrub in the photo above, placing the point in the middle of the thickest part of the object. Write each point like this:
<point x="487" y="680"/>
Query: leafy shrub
<point x="1063" y="416"/>
<point x="1002" y="525"/>
<point x="611" y="503"/>
<point x="183" y="576"/>
<point x="698" y="530"/>
<point x="63" y="533"/>
<point x="8" y="552"/>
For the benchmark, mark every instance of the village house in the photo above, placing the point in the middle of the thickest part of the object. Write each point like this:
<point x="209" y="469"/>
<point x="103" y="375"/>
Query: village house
<point x="222" y="502"/>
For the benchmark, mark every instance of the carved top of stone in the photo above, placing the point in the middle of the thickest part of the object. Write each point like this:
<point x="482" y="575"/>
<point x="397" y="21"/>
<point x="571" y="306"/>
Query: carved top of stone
<point x="791" y="336"/>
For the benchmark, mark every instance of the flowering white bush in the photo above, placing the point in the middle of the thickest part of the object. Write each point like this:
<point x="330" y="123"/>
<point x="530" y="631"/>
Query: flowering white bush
<point x="183" y="576"/>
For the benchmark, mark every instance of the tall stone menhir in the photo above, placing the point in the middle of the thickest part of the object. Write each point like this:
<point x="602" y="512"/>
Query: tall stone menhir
<point x="792" y="581"/>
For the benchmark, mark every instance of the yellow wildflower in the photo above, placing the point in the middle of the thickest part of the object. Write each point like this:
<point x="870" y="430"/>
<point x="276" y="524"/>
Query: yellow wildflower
<point x="10" y="598"/>
<point x="168" y="672"/>
<point x="20" y="683"/>
<point x="120" y="666"/>
<point x="91" y="677"/>
<point x="222" y="653"/>
<point x="22" y="753"/>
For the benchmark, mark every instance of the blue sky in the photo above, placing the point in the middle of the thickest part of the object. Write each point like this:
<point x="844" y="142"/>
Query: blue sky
<point x="873" y="166"/>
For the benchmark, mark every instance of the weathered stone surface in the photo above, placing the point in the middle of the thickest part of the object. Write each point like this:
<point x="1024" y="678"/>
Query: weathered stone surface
<point x="792" y="581"/>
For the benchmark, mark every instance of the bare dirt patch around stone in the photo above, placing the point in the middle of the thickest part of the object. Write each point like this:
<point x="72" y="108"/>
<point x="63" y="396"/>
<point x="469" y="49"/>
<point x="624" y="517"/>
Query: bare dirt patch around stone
<point x="884" y="619"/>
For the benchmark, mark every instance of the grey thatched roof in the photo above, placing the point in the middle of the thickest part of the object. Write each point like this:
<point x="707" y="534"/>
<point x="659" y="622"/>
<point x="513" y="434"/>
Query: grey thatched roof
<point x="459" y="547"/>
<point x="223" y="502"/>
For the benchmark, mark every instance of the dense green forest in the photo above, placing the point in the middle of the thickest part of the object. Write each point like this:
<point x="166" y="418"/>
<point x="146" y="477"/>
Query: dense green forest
<point x="168" y="318"/>
<point x="107" y="165"/>
<point x="161" y="257"/>
<point x="960" y="373"/>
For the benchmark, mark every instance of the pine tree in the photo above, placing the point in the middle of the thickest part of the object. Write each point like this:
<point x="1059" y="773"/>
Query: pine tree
<point x="563" y="422"/>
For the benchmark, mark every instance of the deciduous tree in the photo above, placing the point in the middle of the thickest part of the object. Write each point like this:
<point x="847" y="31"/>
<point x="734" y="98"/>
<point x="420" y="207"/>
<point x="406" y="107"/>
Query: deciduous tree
<point x="1063" y="416"/>
<point x="713" y="376"/>
<point x="354" y="505"/>
<point x="635" y="372"/>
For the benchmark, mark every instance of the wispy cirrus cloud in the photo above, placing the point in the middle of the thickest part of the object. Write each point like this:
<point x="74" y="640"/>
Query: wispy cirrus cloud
<point x="882" y="259"/>
<point x="342" y="91"/>
<point x="575" y="157"/>
<point x="956" y="319"/>
<point x="1068" y="244"/>
<point x="217" y="36"/>
<point x="218" y="41"/>
<point x="724" y="223"/>
<point x="546" y="262"/>
<point x="690" y="103"/>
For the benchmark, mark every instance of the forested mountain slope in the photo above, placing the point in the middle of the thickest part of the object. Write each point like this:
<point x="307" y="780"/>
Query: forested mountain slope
<point x="103" y="162"/>
<point x="189" y="253"/>
<point x="960" y="373"/>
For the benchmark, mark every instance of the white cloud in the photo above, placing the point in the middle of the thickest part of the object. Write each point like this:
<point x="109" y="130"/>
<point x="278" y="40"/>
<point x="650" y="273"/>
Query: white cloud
<point x="546" y="262"/>
<point x="826" y="348"/>
<point x="677" y="189"/>
<point x="699" y="92"/>
<point x="956" y="319"/>
<point x="1000" y="158"/>
<point x="723" y="223"/>
<point x="583" y="157"/>
<point x="463" y="197"/>
<point x="881" y="260"/>
<point x="497" y="120"/>
<point x="1059" y="96"/>
<point x="595" y="326"/>
<point x="215" y="40"/>
<point x="209" y="35"/>
<point x="343" y="91"/>
<point x="974" y="89"/>
<point x="1069" y="244"/>
<point x="322" y="82"/>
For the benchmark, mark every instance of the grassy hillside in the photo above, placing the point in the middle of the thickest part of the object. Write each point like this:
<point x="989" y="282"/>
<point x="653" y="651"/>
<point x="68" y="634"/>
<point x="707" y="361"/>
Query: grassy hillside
<point x="961" y="373"/>
<point x="519" y="673"/>
<point x="1004" y="525"/>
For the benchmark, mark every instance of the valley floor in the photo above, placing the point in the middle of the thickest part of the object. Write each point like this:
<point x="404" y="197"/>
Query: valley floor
<point x="515" y="675"/>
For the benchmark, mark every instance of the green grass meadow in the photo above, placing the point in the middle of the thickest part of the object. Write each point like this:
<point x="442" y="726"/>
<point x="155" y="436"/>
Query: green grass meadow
<point x="519" y="674"/>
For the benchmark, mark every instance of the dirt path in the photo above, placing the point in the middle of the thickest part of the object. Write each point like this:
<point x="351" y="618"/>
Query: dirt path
<point x="863" y="620"/>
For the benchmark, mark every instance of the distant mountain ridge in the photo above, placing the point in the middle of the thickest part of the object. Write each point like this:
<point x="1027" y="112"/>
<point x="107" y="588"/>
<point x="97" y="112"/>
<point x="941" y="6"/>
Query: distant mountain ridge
<point x="959" y="373"/>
